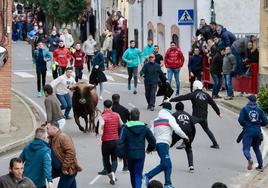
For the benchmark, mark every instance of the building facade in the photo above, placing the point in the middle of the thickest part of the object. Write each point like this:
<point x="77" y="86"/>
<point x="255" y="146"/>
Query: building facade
<point x="263" y="43"/>
<point x="5" y="70"/>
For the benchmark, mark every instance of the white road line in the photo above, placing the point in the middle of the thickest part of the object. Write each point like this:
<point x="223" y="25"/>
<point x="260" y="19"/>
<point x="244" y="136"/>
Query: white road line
<point x="109" y="77"/>
<point x="11" y="155"/>
<point x="23" y="70"/>
<point x="94" y="180"/>
<point x="124" y="76"/>
<point x="132" y="105"/>
<point x="107" y="91"/>
<point x="24" y="74"/>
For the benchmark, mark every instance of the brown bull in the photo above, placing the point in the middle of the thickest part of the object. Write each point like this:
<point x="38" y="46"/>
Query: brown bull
<point x="85" y="100"/>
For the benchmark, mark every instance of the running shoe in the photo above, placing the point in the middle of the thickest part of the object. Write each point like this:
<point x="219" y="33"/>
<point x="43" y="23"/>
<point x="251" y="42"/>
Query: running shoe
<point x="250" y="164"/>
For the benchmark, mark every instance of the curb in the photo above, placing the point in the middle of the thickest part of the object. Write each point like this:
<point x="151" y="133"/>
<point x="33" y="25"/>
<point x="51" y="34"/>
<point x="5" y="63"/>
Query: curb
<point x="19" y="143"/>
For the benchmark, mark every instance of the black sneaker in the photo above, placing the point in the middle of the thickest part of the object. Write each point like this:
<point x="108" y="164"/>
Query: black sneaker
<point x="148" y="107"/>
<point x="191" y="169"/>
<point x="125" y="168"/>
<point x="260" y="169"/>
<point x="152" y="108"/>
<point x="215" y="146"/>
<point x="134" y="92"/>
<point x="103" y="172"/>
<point x="182" y="146"/>
<point x="250" y="164"/>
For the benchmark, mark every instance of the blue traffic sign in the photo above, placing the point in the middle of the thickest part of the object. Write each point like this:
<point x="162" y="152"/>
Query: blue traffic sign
<point x="186" y="17"/>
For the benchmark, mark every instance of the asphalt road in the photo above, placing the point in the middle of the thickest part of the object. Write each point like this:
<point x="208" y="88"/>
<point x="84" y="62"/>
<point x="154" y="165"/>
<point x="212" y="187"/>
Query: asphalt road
<point x="211" y="165"/>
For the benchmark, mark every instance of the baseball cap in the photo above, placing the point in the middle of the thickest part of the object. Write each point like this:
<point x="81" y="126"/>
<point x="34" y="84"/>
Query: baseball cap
<point x="252" y="98"/>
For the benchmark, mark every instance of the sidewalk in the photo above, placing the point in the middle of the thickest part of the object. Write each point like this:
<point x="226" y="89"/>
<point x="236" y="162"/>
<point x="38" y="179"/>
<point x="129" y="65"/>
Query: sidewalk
<point x="23" y="124"/>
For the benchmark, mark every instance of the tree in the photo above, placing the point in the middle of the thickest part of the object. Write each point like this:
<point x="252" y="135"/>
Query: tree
<point x="61" y="11"/>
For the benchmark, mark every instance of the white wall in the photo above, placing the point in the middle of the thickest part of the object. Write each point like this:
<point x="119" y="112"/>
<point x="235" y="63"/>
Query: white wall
<point x="238" y="16"/>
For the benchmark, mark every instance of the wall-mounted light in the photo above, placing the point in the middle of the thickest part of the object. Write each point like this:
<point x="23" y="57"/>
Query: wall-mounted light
<point x="266" y="5"/>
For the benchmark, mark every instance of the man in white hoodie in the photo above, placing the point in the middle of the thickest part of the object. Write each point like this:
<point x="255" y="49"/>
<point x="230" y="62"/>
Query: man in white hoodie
<point x="88" y="48"/>
<point x="67" y="38"/>
<point x="162" y="128"/>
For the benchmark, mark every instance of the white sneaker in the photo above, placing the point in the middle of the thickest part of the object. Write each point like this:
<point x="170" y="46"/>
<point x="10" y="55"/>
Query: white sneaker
<point x="191" y="169"/>
<point x="101" y="98"/>
<point x="112" y="178"/>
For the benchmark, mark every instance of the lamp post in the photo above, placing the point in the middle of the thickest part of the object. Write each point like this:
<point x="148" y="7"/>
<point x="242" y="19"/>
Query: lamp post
<point x="212" y="11"/>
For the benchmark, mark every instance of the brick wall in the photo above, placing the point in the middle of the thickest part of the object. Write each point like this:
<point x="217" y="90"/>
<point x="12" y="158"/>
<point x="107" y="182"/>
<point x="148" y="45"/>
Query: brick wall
<point x="5" y="71"/>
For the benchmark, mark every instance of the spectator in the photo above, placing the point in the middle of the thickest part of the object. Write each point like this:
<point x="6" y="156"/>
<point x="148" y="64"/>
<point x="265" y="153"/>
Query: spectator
<point x="40" y="37"/>
<point x="148" y="49"/>
<point x="174" y="60"/>
<point x="195" y="44"/>
<point x="15" y="176"/>
<point x="195" y="67"/>
<point x="37" y="160"/>
<point x="97" y="75"/>
<point x="79" y="60"/>
<point x="252" y="56"/>
<point x="204" y="30"/>
<point x="227" y="37"/>
<point x="239" y="50"/>
<point x="61" y="87"/>
<point x="67" y="38"/>
<point x="212" y="49"/>
<point x="151" y="72"/>
<point x="53" y="41"/>
<point x="132" y="144"/>
<point x="40" y="59"/>
<point x="88" y="48"/>
<point x="63" y="154"/>
<point x="218" y="42"/>
<point x="107" y="49"/>
<point x="52" y="106"/>
<point x="133" y="57"/>
<point x="213" y="26"/>
<point x="110" y="123"/>
<point x="228" y="70"/>
<point x="216" y="72"/>
<point x="155" y="184"/>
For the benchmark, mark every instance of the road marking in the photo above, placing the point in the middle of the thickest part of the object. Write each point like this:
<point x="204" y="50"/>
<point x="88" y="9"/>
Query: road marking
<point x="132" y="105"/>
<point x="94" y="180"/>
<point x="124" y="76"/>
<point x="109" y="77"/>
<point x="24" y="74"/>
<point x="107" y="91"/>
<point x="23" y="70"/>
<point x="11" y="155"/>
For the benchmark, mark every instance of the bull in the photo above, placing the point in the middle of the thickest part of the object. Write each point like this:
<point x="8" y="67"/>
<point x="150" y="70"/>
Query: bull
<point x="85" y="100"/>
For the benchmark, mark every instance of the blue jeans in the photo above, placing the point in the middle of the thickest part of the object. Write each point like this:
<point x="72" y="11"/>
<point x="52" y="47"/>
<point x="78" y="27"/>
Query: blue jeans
<point x="135" y="168"/>
<point x="176" y="73"/>
<point x="240" y="68"/>
<point x="165" y="163"/>
<point x="254" y="140"/>
<point x="217" y="78"/>
<point x="66" y="103"/>
<point x="67" y="181"/>
<point x="101" y="88"/>
<point x="228" y="84"/>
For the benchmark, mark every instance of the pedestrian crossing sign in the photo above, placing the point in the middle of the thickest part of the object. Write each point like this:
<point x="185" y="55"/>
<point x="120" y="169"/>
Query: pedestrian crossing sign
<point x="186" y="17"/>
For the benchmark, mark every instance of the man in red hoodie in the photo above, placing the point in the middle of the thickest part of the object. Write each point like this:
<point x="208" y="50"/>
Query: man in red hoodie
<point x="62" y="56"/>
<point x="174" y="60"/>
<point x="79" y="60"/>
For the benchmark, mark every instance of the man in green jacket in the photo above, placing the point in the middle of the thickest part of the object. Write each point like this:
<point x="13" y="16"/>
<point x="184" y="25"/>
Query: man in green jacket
<point x="133" y="57"/>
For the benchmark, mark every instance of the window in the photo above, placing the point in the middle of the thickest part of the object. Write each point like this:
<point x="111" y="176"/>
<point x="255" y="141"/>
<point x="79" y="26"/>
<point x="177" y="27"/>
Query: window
<point x="136" y="37"/>
<point x="266" y="5"/>
<point x="160" y="8"/>
<point x="150" y="35"/>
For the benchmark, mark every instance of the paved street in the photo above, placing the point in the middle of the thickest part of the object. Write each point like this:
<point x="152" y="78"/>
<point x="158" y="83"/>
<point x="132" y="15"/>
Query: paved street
<point x="211" y="165"/>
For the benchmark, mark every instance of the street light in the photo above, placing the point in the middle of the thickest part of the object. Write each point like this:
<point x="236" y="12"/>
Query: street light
<point x="212" y="11"/>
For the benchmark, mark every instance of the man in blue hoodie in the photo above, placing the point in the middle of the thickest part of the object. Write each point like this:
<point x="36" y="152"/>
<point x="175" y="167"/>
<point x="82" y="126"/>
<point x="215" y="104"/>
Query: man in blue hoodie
<point x="132" y="144"/>
<point x="37" y="160"/>
<point x="148" y="49"/>
<point x="252" y="118"/>
<point x="133" y="57"/>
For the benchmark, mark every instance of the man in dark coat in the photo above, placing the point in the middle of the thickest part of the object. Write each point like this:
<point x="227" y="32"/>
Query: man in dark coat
<point x="200" y="101"/>
<point x="252" y="118"/>
<point x="132" y="144"/>
<point x="185" y="121"/>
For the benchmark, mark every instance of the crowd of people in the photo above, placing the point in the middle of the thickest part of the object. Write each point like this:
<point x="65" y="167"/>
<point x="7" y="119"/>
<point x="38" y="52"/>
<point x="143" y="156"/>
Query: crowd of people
<point x="123" y="135"/>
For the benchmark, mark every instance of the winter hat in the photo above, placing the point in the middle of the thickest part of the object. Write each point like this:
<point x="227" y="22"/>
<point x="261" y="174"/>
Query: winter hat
<point x="166" y="105"/>
<point x="252" y="98"/>
<point x="197" y="85"/>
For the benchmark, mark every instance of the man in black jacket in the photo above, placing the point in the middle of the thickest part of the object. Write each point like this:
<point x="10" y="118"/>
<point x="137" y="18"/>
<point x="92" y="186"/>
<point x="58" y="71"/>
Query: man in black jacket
<point x="195" y="67"/>
<point x="124" y="115"/>
<point x="185" y="121"/>
<point x="216" y="72"/>
<point x="132" y="144"/>
<point x="151" y="72"/>
<point x="200" y="101"/>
